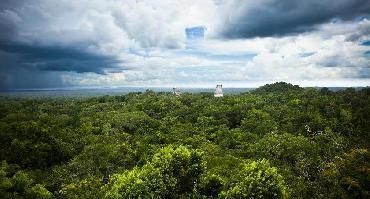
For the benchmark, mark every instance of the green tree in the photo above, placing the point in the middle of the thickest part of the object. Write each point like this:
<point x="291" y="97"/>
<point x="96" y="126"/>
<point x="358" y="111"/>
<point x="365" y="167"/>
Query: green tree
<point x="19" y="185"/>
<point x="171" y="173"/>
<point x="258" y="122"/>
<point x="348" y="175"/>
<point x="256" y="180"/>
<point x="89" y="188"/>
<point x="211" y="185"/>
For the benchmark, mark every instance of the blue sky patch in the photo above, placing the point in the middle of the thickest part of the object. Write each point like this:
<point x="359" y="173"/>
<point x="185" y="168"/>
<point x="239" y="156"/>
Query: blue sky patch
<point x="307" y="54"/>
<point x="195" y="32"/>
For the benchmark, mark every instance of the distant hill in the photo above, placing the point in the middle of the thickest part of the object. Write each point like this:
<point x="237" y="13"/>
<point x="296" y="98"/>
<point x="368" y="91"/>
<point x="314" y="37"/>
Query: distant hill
<point x="278" y="87"/>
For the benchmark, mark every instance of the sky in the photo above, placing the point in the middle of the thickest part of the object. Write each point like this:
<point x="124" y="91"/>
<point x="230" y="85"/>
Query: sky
<point x="119" y="43"/>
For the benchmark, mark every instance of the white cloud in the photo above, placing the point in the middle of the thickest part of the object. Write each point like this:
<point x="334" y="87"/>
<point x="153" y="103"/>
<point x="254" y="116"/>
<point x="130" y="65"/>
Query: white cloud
<point x="112" y="26"/>
<point x="93" y="79"/>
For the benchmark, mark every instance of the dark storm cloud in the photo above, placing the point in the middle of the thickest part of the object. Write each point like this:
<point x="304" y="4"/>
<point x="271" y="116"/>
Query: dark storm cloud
<point x="19" y="52"/>
<point x="25" y="79"/>
<point x="8" y="29"/>
<point x="27" y="66"/>
<point x="9" y="4"/>
<point x="366" y="43"/>
<point x="32" y="55"/>
<point x="54" y="58"/>
<point x="282" y="17"/>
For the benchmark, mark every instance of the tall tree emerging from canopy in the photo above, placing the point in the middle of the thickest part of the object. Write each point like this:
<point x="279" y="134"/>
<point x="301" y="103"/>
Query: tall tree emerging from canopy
<point x="171" y="173"/>
<point x="256" y="180"/>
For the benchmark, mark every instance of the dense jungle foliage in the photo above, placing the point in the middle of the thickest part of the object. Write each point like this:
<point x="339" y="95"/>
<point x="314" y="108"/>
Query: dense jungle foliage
<point x="278" y="141"/>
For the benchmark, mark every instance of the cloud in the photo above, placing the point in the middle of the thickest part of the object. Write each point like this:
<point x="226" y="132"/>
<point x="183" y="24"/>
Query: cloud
<point x="276" y="18"/>
<point x="326" y="56"/>
<point x="93" y="36"/>
<point x="54" y="58"/>
<point x="143" y="42"/>
<point x="108" y="26"/>
<point x="93" y="79"/>
<point x="23" y="78"/>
